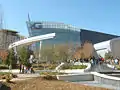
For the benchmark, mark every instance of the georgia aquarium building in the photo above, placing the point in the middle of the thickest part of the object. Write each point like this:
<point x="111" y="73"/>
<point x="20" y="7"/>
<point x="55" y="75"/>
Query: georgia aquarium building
<point x="65" y="34"/>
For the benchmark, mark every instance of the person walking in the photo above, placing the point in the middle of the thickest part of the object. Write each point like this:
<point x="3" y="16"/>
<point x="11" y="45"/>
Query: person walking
<point x="22" y="68"/>
<point x="91" y="61"/>
<point x="116" y="61"/>
<point x="94" y="61"/>
<point x="31" y="69"/>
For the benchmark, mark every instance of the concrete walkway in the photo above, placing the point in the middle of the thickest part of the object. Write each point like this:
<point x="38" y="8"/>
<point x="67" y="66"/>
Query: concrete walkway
<point x="28" y="75"/>
<point x="101" y="68"/>
<point x="7" y="70"/>
<point x="96" y="84"/>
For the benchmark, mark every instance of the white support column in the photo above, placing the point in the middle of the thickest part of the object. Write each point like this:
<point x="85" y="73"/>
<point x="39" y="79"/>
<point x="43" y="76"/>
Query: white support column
<point x="15" y="51"/>
<point x="40" y="50"/>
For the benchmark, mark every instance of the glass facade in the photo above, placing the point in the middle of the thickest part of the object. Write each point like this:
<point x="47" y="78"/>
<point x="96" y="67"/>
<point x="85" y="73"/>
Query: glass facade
<point x="64" y="33"/>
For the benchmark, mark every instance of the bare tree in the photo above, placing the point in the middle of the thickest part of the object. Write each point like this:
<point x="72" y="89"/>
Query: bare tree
<point x="85" y="51"/>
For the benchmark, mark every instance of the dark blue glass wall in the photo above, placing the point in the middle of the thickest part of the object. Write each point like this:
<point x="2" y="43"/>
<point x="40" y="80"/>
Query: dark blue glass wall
<point x="63" y="36"/>
<point x="95" y="37"/>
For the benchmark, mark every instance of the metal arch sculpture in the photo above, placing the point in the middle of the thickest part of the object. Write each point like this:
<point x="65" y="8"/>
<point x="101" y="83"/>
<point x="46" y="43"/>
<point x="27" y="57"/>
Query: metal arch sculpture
<point x="32" y="40"/>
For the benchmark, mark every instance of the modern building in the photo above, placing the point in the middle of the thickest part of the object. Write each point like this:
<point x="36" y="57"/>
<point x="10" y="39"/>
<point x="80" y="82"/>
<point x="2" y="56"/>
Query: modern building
<point x="6" y="38"/>
<point x="95" y="37"/>
<point x="64" y="33"/>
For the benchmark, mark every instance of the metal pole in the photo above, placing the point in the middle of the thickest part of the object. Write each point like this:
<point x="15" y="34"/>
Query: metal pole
<point x="39" y="51"/>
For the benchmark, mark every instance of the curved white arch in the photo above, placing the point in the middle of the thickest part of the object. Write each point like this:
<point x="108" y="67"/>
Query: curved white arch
<point x="110" y="45"/>
<point x="32" y="40"/>
<point x="102" y="45"/>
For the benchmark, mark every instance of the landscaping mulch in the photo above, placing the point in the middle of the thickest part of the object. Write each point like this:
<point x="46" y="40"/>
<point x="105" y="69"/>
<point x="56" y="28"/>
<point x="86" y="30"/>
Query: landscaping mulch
<point x="41" y="84"/>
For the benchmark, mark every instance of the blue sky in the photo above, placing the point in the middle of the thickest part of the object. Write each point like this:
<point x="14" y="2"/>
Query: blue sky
<point x="97" y="15"/>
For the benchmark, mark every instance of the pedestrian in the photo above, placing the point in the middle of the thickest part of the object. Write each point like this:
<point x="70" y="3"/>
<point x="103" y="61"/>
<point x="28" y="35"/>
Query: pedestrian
<point x="25" y="69"/>
<point x="112" y="61"/>
<point x="116" y="61"/>
<point x="31" y="69"/>
<point x="22" y="68"/>
<point x="91" y="61"/>
<point x="94" y="61"/>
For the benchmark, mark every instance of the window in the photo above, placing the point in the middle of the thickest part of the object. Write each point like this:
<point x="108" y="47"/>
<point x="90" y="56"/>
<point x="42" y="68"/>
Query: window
<point x="36" y="26"/>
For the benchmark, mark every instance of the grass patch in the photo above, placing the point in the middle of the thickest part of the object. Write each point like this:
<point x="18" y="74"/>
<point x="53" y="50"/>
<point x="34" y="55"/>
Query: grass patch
<point x="4" y="73"/>
<point x="51" y="73"/>
<point x="118" y="67"/>
<point x="42" y="66"/>
<point x="74" y="67"/>
<point x="49" y="77"/>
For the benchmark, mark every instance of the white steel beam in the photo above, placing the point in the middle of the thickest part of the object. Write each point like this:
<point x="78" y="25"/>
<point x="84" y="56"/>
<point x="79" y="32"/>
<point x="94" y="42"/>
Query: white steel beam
<point x="32" y="40"/>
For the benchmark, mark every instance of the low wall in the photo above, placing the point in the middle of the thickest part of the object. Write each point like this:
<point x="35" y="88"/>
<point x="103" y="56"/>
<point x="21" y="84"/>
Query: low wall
<point x="72" y="71"/>
<point x="105" y="79"/>
<point x="59" y="66"/>
<point x="76" y="77"/>
<point x="88" y="67"/>
<point x="98" y="77"/>
<point x="75" y="71"/>
<point x="28" y="75"/>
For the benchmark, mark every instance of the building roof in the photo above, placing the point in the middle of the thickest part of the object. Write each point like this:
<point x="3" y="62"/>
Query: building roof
<point x="94" y="36"/>
<point x="47" y="24"/>
<point x="8" y="30"/>
<point x="86" y="30"/>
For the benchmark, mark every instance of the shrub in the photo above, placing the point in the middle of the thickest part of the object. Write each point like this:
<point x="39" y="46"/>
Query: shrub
<point x="3" y="77"/>
<point x="8" y="77"/>
<point x="4" y="73"/>
<point x="66" y="66"/>
<point x="49" y="77"/>
<point x="4" y="67"/>
<point x="51" y="73"/>
<point x="118" y="67"/>
<point x="42" y="66"/>
<point x="78" y="67"/>
<point x="13" y="75"/>
<point x="74" y="67"/>
<point x="37" y="66"/>
<point x="52" y="66"/>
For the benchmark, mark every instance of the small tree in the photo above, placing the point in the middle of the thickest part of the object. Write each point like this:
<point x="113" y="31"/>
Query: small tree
<point x="55" y="54"/>
<point x="10" y="58"/>
<point x="108" y="55"/>
<point x="24" y="55"/>
<point x="63" y="52"/>
<point x="85" y="51"/>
